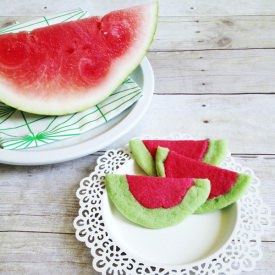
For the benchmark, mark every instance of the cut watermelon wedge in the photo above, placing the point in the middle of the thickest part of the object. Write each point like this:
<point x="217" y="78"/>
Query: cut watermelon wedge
<point x="208" y="151"/>
<point x="155" y="202"/>
<point x="69" y="67"/>
<point x="226" y="186"/>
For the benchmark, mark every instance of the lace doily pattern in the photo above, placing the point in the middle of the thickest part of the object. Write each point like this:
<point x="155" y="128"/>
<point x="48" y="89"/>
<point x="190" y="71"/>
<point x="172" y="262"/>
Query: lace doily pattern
<point x="240" y="254"/>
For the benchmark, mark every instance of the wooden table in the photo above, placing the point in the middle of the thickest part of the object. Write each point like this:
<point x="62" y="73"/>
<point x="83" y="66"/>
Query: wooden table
<point x="214" y="64"/>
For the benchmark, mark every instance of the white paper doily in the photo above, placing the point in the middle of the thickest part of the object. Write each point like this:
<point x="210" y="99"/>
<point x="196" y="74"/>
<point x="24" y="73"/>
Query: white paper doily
<point x="240" y="254"/>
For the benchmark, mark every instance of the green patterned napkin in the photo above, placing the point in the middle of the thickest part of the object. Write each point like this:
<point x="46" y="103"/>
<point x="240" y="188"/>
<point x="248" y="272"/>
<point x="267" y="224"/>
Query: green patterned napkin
<point x="20" y="130"/>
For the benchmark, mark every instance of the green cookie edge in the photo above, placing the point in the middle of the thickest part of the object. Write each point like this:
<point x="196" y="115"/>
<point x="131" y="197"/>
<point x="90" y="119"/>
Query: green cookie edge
<point x="161" y="156"/>
<point x="232" y="196"/>
<point x="142" y="157"/>
<point x="119" y="193"/>
<point x="214" y="204"/>
<point x="216" y="152"/>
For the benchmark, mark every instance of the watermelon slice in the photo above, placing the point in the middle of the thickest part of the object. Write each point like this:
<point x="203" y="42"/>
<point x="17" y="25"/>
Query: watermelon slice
<point x="71" y="66"/>
<point x="155" y="202"/>
<point x="226" y="186"/>
<point x="208" y="151"/>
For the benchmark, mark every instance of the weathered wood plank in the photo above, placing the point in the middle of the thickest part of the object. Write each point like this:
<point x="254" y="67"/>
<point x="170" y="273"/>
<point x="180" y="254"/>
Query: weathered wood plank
<point x="194" y="33"/>
<point x="43" y="198"/>
<point x="30" y="202"/>
<point x="247" y="121"/>
<point x="203" y="72"/>
<point x="36" y="253"/>
<point x="166" y="7"/>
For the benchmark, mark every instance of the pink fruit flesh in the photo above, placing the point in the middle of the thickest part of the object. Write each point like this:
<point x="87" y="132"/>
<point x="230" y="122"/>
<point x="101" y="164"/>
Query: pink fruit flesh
<point x="156" y="192"/>
<point x="178" y="166"/>
<point x="194" y="149"/>
<point x="71" y="56"/>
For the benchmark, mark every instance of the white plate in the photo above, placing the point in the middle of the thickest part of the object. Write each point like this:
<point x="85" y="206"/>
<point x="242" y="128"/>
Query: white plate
<point x="193" y="240"/>
<point x="95" y="139"/>
<point x="222" y="242"/>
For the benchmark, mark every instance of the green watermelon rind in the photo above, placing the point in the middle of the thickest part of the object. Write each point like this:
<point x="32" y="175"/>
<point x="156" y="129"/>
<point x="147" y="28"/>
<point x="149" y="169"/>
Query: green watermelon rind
<point x="216" y="152"/>
<point x="214" y="204"/>
<point x="37" y="109"/>
<point x="119" y="193"/>
<point x="138" y="61"/>
<point x="227" y="199"/>
<point x="142" y="157"/>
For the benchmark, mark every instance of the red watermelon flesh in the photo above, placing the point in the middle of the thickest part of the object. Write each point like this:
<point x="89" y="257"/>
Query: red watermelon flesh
<point x="179" y="166"/>
<point x="71" y="66"/>
<point x="194" y="149"/>
<point x="157" y="192"/>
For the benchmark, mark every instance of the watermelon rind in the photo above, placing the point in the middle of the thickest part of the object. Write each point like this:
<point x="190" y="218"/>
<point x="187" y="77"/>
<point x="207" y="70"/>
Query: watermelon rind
<point x="143" y="157"/>
<point x="119" y="193"/>
<point x="62" y="105"/>
<point x="227" y="199"/>
<point x="216" y="152"/>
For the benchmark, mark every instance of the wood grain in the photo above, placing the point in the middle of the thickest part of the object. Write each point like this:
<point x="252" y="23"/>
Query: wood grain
<point x="245" y="120"/>
<point x="214" y="67"/>
<point x="197" y="33"/>
<point x="36" y="235"/>
<point x="194" y="33"/>
<point x="166" y="7"/>
<point x="31" y="203"/>
<point x="36" y="253"/>
<point x="45" y="253"/>
<point x="214" y="72"/>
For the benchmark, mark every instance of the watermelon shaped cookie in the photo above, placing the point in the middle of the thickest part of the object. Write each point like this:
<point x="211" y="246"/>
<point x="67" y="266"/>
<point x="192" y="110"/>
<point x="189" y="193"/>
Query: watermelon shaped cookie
<point x="71" y="66"/>
<point x="226" y="186"/>
<point x="155" y="202"/>
<point x="208" y="151"/>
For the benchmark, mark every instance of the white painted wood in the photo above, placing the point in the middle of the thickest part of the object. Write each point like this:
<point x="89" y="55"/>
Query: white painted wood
<point x="63" y="254"/>
<point x="195" y="33"/>
<point x="215" y="72"/>
<point x="36" y="253"/>
<point x="166" y="7"/>
<point x="247" y="121"/>
<point x="201" y="91"/>
<point x="31" y="202"/>
<point x="49" y="245"/>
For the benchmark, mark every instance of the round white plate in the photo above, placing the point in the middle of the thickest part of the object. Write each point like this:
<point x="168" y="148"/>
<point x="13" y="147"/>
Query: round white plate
<point x="222" y="242"/>
<point x="95" y="139"/>
<point x="193" y="240"/>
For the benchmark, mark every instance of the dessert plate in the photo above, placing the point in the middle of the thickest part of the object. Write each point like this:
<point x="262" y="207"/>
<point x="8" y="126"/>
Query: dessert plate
<point x="94" y="139"/>
<point x="225" y="241"/>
